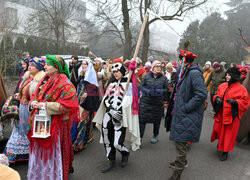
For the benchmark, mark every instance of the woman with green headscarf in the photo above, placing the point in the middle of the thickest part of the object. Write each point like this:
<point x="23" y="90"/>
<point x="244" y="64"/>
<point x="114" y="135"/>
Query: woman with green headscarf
<point x="52" y="157"/>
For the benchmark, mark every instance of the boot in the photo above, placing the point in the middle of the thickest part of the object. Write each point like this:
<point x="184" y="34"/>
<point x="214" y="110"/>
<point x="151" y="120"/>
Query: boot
<point x="175" y="176"/>
<point x="154" y="139"/>
<point x="109" y="166"/>
<point x="124" y="161"/>
<point x="223" y="156"/>
<point x="71" y="170"/>
<point x="172" y="165"/>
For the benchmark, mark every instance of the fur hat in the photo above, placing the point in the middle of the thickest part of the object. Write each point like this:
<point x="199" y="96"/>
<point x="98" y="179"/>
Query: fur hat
<point x="235" y="74"/>
<point x="118" y="67"/>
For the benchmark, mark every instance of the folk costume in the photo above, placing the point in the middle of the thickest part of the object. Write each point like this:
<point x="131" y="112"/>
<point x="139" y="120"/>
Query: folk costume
<point x="230" y="102"/>
<point x="117" y="120"/>
<point x="17" y="148"/>
<point x="52" y="157"/>
<point x="82" y="133"/>
<point x="25" y="60"/>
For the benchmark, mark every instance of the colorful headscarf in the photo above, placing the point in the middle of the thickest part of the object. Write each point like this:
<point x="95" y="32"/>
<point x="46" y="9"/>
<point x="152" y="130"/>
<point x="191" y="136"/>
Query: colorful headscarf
<point x="58" y="63"/>
<point x="39" y="63"/>
<point x="4" y="160"/>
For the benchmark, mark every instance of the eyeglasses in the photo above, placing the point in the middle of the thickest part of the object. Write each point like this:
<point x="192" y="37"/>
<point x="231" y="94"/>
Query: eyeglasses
<point x="158" y="67"/>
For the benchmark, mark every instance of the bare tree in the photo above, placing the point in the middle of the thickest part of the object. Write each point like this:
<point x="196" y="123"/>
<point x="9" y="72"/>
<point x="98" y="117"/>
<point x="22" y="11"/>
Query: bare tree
<point x="116" y="14"/>
<point x="108" y="13"/>
<point x="52" y="20"/>
<point x="168" y="10"/>
<point x="8" y="22"/>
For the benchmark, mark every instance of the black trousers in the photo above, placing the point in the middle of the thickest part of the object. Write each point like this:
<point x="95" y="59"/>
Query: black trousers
<point x="155" y="131"/>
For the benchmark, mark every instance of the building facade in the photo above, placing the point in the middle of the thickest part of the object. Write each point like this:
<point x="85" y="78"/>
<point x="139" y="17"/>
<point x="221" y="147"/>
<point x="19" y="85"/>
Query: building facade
<point x="16" y="17"/>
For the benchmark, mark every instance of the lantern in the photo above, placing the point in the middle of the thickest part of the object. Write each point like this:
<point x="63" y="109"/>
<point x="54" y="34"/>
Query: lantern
<point x="42" y="125"/>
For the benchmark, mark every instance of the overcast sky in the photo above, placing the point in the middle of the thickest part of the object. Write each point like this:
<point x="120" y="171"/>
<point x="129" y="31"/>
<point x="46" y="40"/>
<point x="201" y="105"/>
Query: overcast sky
<point x="198" y="13"/>
<point x="180" y="26"/>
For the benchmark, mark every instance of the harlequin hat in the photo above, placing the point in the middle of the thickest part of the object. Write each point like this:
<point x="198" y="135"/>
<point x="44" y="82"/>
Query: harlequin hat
<point x="118" y="67"/>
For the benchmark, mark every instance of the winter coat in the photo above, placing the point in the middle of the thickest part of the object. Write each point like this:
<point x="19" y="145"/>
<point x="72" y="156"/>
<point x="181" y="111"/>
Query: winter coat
<point x="92" y="101"/>
<point x="225" y="127"/>
<point x="188" y="106"/>
<point x="154" y="92"/>
<point x="244" y="128"/>
<point x="217" y="79"/>
<point x="206" y="75"/>
<point x="74" y="67"/>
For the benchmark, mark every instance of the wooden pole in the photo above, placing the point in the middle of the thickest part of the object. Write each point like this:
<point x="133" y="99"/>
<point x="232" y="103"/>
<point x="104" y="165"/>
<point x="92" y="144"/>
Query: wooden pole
<point x="92" y="54"/>
<point x="136" y="50"/>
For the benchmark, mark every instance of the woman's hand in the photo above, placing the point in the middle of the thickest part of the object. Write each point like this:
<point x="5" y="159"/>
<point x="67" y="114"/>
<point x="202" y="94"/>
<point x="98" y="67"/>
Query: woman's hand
<point x="37" y="105"/>
<point x="84" y="95"/>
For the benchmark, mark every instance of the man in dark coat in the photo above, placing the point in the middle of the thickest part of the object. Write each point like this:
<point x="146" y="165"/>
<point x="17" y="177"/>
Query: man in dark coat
<point x="185" y="111"/>
<point x="154" y="89"/>
<point x="217" y="77"/>
<point x="73" y="68"/>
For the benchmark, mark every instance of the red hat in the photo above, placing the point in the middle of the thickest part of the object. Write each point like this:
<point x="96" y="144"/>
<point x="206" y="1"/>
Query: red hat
<point x="188" y="54"/>
<point x="118" y="60"/>
<point x="174" y="64"/>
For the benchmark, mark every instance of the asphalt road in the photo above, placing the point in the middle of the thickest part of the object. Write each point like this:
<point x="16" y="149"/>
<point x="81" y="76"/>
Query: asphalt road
<point x="151" y="162"/>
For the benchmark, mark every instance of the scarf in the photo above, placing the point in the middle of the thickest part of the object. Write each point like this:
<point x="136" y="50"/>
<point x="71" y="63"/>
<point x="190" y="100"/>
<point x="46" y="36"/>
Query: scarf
<point x="56" y="88"/>
<point x="58" y="63"/>
<point x="135" y="106"/>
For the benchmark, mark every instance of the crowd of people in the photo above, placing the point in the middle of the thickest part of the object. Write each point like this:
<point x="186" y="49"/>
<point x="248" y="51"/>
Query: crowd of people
<point x="120" y="97"/>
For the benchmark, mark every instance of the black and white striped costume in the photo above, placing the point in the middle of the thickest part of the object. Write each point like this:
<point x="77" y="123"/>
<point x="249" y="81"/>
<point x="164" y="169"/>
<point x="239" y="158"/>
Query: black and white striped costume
<point x="112" y="127"/>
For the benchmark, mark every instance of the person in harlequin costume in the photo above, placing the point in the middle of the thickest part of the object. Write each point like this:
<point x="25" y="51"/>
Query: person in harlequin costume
<point x="117" y="117"/>
<point x="185" y="110"/>
<point x="231" y="101"/>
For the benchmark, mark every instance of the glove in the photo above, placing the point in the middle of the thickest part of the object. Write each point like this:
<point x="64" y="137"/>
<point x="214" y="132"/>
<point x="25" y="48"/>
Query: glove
<point x="217" y="104"/>
<point x="234" y="107"/>
<point x="232" y="101"/>
<point x="117" y="115"/>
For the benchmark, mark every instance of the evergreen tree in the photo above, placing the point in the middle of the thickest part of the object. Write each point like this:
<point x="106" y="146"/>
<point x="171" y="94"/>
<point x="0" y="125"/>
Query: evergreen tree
<point x="19" y="44"/>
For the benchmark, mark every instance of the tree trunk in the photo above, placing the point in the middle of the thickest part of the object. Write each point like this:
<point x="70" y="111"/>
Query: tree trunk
<point x="145" y="44"/>
<point x="128" y="36"/>
<point x="146" y="36"/>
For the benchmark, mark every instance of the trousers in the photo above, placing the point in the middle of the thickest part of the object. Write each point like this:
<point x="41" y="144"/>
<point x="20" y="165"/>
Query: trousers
<point x="113" y="136"/>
